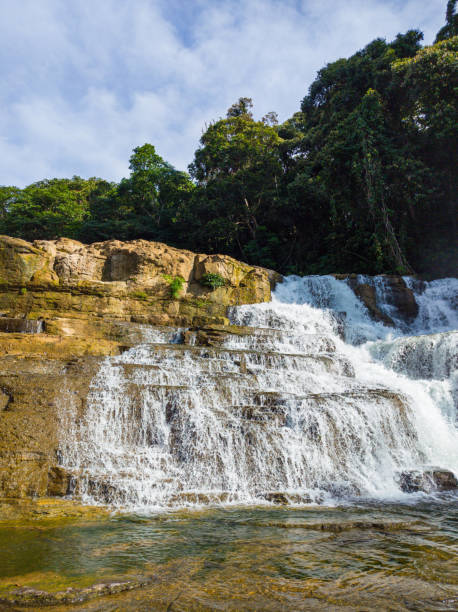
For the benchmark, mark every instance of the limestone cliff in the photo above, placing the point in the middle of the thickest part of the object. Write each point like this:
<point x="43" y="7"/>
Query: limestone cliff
<point x="89" y="301"/>
<point x="129" y="281"/>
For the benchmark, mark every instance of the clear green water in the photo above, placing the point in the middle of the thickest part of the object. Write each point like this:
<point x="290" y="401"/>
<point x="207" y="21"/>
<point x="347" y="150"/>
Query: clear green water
<point x="374" y="557"/>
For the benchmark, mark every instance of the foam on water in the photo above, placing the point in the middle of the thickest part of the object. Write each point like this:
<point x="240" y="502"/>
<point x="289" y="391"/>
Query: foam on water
<point x="319" y="403"/>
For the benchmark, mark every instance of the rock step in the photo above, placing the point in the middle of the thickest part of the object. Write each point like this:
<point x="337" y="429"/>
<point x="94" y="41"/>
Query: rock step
<point x="21" y="325"/>
<point x="159" y="353"/>
<point x="266" y="406"/>
<point x="218" y="350"/>
<point x="214" y="336"/>
<point x="193" y="382"/>
<point x="108" y="488"/>
<point x="280" y="397"/>
<point x="217" y="497"/>
<point x="265" y="399"/>
<point x="250" y="362"/>
<point x="262" y="337"/>
<point x="179" y="351"/>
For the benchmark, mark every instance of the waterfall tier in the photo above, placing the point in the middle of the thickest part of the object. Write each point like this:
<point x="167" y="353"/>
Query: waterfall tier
<point x="312" y="402"/>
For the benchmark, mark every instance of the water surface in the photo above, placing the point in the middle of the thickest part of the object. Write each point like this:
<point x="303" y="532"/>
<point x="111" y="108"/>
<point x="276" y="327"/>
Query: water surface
<point x="386" y="557"/>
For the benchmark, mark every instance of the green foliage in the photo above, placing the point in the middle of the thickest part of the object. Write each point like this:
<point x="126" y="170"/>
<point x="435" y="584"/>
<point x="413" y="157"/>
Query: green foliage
<point x="175" y="283"/>
<point x="46" y="209"/>
<point x="362" y="178"/>
<point x="23" y="291"/>
<point x="238" y="170"/>
<point x="146" y="205"/>
<point x="202" y="303"/>
<point x="140" y="295"/>
<point x="213" y="280"/>
<point x="241" y="108"/>
<point x="450" y="28"/>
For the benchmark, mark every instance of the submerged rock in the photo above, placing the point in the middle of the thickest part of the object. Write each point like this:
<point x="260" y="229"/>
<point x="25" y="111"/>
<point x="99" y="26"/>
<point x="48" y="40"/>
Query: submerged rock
<point x="429" y="480"/>
<point x="284" y="498"/>
<point x="53" y="509"/>
<point x="30" y="597"/>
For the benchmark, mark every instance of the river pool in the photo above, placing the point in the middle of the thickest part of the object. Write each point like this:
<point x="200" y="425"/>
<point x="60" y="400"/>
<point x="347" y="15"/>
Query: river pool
<point x="365" y="557"/>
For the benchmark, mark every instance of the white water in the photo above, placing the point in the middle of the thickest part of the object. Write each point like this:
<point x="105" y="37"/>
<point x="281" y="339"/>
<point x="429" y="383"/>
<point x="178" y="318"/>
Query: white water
<point x="292" y="407"/>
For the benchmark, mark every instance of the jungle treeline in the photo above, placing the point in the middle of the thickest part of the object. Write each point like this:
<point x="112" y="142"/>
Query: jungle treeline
<point x="361" y="179"/>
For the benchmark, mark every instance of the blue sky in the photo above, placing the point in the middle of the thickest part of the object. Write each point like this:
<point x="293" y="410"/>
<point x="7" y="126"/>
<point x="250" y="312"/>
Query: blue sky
<point x="83" y="82"/>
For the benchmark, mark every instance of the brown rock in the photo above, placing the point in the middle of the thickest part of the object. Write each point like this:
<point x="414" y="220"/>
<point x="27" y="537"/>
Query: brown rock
<point x="139" y="261"/>
<point x="276" y="497"/>
<point x="367" y="295"/>
<point x="281" y="498"/>
<point x="402" y="297"/>
<point x="59" y="482"/>
<point x="35" y="392"/>
<point x="20" y="262"/>
<point x="125" y="280"/>
<point x="398" y="295"/>
<point x="428" y="480"/>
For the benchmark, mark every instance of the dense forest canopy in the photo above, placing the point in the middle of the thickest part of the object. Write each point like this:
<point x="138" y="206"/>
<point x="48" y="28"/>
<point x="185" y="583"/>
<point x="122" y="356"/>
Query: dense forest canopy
<point x="362" y="178"/>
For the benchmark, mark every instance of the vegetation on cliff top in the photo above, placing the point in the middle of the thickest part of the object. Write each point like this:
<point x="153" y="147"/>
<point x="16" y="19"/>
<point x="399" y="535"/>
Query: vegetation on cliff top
<point x="361" y="178"/>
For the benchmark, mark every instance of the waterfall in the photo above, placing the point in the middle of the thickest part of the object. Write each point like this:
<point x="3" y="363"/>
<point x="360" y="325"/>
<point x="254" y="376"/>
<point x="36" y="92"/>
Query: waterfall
<point x="308" y="400"/>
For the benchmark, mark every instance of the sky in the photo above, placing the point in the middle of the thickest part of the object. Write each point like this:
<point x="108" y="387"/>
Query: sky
<point x="83" y="82"/>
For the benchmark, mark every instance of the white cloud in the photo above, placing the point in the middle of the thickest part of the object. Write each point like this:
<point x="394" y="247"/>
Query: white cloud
<point x="85" y="82"/>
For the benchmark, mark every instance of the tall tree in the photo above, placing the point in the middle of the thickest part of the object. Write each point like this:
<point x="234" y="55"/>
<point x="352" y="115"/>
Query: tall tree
<point x="144" y="205"/>
<point x="450" y="28"/>
<point x="238" y="170"/>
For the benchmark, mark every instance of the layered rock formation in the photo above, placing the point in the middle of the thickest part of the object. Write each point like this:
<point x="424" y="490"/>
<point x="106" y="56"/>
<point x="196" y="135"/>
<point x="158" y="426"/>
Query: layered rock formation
<point x="90" y="301"/>
<point x="122" y="280"/>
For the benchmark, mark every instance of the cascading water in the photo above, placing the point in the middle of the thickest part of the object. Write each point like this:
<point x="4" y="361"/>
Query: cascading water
<point x="316" y="403"/>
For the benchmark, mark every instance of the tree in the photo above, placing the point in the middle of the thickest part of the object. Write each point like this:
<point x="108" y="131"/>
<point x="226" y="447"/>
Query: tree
<point x="450" y="28"/>
<point x="374" y="146"/>
<point x="46" y="209"/>
<point x="241" y="108"/>
<point x="154" y="185"/>
<point x="428" y="83"/>
<point x="238" y="171"/>
<point x="361" y="178"/>
<point x="357" y="153"/>
<point x="144" y="205"/>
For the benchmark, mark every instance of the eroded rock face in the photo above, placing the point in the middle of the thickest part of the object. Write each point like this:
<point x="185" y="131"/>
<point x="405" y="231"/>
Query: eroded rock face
<point x="129" y="281"/>
<point x="138" y="262"/>
<point x="35" y="388"/>
<point x="20" y="262"/>
<point x="397" y="294"/>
